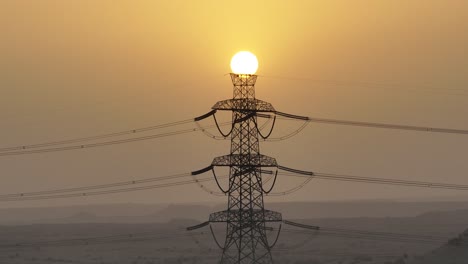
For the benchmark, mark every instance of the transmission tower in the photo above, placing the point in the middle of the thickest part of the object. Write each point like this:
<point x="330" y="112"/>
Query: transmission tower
<point x="246" y="218"/>
<point x="246" y="240"/>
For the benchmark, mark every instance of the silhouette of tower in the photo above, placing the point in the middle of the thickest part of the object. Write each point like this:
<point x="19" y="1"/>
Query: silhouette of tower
<point x="246" y="239"/>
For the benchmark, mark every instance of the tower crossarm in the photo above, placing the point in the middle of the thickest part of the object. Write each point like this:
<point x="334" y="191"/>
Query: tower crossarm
<point x="246" y="238"/>
<point x="244" y="160"/>
<point x="244" y="104"/>
<point x="198" y="226"/>
<point x="257" y="215"/>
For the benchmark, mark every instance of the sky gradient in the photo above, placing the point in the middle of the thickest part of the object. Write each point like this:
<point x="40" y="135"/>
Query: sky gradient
<point x="77" y="68"/>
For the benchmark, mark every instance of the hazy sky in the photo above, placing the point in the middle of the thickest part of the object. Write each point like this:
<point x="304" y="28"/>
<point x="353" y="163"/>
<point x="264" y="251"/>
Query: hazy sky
<point x="79" y="68"/>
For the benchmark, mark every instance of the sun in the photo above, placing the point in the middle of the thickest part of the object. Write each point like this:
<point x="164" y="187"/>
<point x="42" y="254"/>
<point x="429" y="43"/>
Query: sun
<point x="244" y="62"/>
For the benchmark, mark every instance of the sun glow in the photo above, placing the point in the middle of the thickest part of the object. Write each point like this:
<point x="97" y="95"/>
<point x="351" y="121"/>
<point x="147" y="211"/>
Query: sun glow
<point x="244" y="62"/>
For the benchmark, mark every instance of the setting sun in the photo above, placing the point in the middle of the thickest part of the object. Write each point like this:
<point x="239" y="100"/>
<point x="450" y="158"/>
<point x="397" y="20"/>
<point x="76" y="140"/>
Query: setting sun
<point x="244" y="62"/>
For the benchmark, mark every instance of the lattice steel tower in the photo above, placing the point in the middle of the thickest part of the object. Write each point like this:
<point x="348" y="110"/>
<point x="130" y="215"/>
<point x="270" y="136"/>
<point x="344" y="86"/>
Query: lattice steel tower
<point x="246" y="239"/>
<point x="246" y="218"/>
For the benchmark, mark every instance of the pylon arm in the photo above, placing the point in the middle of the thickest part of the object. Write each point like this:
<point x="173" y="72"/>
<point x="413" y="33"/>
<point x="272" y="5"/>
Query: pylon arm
<point x="257" y="215"/>
<point x="198" y="226"/>
<point x="193" y="173"/>
<point x="243" y="160"/>
<point x="199" y="118"/>
<point x="244" y="104"/>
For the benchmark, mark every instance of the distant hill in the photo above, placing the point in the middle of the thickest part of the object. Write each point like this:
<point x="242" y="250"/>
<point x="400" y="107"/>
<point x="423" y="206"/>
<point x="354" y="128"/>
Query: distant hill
<point x="454" y="252"/>
<point x="160" y="213"/>
<point x="98" y="213"/>
<point x="364" y="208"/>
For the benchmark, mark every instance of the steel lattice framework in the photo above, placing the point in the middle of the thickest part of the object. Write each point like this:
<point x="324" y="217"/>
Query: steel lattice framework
<point x="246" y="240"/>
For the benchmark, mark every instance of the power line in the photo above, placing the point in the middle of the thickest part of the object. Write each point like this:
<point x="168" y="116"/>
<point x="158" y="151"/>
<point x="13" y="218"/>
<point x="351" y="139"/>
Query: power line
<point x="210" y="135"/>
<point x="375" y="125"/>
<point x="366" y="84"/>
<point x="108" y="135"/>
<point x="389" y="126"/>
<point x="94" y="187"/>
<point x="245" y="239"/>
<point x="104" y="192"/>
<point x="277" y="193"/>
<point x="108" y="143"/>
<point x="102" y="189"/>
<point x="42" y="147"/>
<point x="351" y="178"/>
<point x="261" y="128"/>
<point x="386" y="181"/>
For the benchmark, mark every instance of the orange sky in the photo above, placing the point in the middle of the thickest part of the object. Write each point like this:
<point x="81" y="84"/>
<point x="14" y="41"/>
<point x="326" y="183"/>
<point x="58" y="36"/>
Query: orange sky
<point x="77" y="68"/>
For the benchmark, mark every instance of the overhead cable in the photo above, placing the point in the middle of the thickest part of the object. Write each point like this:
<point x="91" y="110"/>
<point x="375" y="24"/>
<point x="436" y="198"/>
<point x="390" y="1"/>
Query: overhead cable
<point x="90" y="138"/>
<point x="108" y="143"/>
<point x="387" y="181"/>
<point x="375" y="124"/>
<point x="94" y="187"/>
<point x="105" y="192"/>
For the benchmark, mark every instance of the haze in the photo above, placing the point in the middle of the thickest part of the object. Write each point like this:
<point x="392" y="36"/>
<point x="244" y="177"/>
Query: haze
<point x="77" y="68"/>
